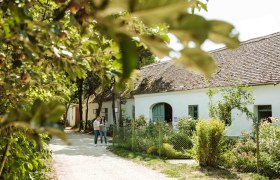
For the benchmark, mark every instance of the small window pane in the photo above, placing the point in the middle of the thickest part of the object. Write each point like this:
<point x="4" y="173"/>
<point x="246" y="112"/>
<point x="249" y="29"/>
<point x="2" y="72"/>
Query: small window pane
<point x="193" y="111"/>
<point x="264" y="112"/>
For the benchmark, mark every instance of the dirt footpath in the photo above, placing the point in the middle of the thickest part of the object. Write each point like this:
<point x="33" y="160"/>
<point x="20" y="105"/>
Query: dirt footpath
<point x="84" y="161"/>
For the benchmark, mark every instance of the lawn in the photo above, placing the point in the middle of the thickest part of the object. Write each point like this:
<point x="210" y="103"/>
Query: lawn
<point x="182" y="171"/>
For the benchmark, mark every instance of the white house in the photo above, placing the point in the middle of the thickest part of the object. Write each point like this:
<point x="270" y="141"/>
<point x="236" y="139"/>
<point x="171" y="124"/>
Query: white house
<point x="168" y="91"/>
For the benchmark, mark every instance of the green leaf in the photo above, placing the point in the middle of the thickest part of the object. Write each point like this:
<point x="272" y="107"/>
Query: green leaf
<point x="143" y="5"/>
<point x="156" y="46"/>
<point x="129" y="58"/>
<point x="58" y="133"/>
<point x="165" y="12"/>
<point x="56" y="113"/>
<point x="223" y="32"/>
<point x="194" y="26"/>
<point x="203" y="5"/>
<point x="30" y="166"/>
<point x="198" y="60"/>
<point x="35" y="163"/>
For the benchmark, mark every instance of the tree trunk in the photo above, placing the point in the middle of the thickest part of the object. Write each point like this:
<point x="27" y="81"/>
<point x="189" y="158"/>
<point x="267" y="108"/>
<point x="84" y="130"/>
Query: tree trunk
<point x="65" y="116"/>
<point x="87" y="113"/>
<point x="120" y="114"/>
<point x="99" y="102"/>
<point x="80" y="95"/>
<point x="6" y="151"/>
<point x="113" y="108"/>
<point x="4" y="158"/>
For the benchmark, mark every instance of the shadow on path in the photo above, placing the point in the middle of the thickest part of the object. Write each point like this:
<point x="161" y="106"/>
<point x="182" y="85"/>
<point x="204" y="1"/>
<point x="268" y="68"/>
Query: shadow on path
<point x="82" y="160"/>
<point x="80" y="144"/>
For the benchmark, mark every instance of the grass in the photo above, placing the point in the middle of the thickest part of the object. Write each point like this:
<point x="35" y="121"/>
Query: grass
<point x="182" y="171"/>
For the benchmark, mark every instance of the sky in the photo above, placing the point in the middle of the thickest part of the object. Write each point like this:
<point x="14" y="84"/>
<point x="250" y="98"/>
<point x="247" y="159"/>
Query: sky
<point x="251" y="18"/>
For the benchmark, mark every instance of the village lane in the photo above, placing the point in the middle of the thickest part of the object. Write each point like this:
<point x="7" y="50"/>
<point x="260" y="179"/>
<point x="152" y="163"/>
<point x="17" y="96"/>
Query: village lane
<point x="84" y="161"/>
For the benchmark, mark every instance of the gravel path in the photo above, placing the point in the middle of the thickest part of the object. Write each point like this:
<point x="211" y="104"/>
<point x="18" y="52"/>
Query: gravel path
<point x="82" y="161"/>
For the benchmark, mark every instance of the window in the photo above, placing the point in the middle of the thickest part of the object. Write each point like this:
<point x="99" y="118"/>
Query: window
<point x="193" y="111"/>
<point x="264" y="112"/>
<point x="133" y="112"/>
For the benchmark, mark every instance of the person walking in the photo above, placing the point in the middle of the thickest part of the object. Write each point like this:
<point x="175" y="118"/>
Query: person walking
<point x="96" y="129"/>
<point x="103" y="130"/>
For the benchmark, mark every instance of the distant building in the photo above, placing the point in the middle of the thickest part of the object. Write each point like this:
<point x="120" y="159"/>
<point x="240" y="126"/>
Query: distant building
<point x="168" y="91"/>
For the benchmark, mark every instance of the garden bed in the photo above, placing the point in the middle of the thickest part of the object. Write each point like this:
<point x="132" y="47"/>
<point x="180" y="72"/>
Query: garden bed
<point x="181" y="170"/>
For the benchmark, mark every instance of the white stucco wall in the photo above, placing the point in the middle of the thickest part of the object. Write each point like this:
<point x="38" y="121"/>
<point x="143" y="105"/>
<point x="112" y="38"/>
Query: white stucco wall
<point x="128" y="108"/>
<point x="92" y="115"/>
<point x="71" y="115"/>
<point x="265" y="95"/>
<point x="127" y="111"/>
<point x="179" y="102"/>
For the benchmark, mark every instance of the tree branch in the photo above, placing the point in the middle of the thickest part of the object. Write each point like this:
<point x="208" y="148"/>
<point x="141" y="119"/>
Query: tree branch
<point x="7" y="148"/>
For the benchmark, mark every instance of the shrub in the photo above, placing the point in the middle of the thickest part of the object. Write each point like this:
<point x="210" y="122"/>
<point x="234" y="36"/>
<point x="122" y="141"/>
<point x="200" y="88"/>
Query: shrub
<point x="207" y="141"/>
<point x="270" y="139"/>
<point x="270" y="149"/>
<point x="180" y="141"/>
<point x="243" y="155"/>
<point x="168" y="150"/>
<point x="187" y="126"/>
<point x="26" y="160"/>
<point x="126" y="121"/>
<point x="229" y="142"/>
<point x="140" y="121"/>
<point x="152" y="150"/>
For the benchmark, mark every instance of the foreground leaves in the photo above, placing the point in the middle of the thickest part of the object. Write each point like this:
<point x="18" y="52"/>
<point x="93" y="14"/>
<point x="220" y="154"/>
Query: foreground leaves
<point x="42" y="117"/>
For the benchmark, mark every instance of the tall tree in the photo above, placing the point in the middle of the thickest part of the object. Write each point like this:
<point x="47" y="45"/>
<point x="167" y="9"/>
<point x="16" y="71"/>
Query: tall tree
<point x="80" y="83"/>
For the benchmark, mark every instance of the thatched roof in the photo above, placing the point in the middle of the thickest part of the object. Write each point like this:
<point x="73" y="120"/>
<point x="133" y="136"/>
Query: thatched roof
<point x="255" y="62"/>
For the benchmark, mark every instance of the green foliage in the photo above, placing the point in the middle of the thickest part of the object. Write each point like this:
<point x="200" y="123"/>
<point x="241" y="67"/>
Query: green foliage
<point x="182" y="171"/>
<point x="26" y="159"/>
<point x="140" y="121"/>
<point x="152" y="150"/>
<point x="168" y="150"/>
<point x="180" y="141"/>
<point x="243" y="155"/>
<point x="151" y="139"/>
<point x="270" y="139"/>
<point x="233" y="97"/>
<point x="187" y="126"/>
<point x="208" y="141"/>
<point x="129" y="55"/>
<point x="269" y="147"/>
<point x="145" y="56"/>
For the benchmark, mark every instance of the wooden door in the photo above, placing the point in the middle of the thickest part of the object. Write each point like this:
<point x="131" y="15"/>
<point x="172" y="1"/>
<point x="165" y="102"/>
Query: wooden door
<point x="158" y="112"/>
<point x="77" y="118"/>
